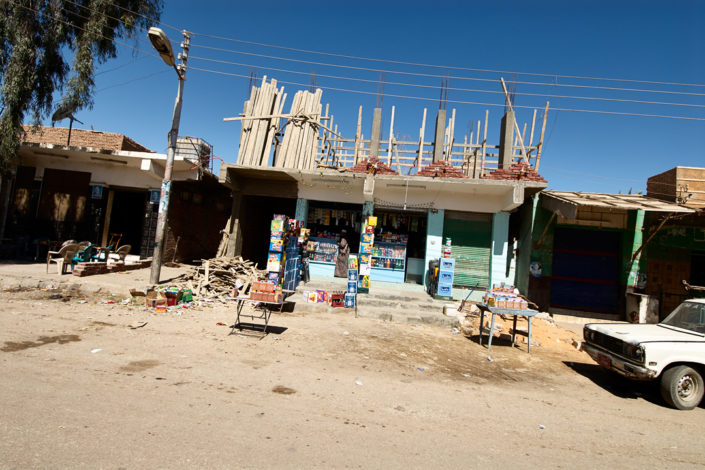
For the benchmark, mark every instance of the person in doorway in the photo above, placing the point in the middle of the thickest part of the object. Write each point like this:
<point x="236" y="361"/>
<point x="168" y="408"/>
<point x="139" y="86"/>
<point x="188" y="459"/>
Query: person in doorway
<point x="304" y="254"/>
<point x="341" y="262"/>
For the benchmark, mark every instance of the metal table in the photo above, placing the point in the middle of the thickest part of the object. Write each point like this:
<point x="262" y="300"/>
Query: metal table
<point x="515" y="312"/>
<point x="265" y="314"/>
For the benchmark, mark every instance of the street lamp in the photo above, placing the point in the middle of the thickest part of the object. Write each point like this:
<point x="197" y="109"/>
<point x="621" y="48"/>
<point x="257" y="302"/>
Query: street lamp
<point x="163" y="46"/>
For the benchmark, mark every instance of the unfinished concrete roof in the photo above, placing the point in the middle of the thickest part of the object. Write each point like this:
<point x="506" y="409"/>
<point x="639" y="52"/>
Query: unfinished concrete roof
<point x="81" y="138"/>
<point x="567" y="202"/>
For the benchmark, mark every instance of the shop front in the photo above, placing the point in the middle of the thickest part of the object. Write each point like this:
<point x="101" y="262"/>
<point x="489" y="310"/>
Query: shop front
<point x="326" y="221"/>
<point x="399" y="246"/>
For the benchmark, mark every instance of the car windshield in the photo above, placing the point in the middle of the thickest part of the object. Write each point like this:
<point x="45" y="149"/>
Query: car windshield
<point x="689" y="316"/>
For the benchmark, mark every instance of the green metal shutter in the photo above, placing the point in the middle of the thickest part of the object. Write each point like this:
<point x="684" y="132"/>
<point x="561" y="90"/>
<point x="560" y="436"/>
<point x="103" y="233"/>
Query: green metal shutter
<point x="471" y="237"/>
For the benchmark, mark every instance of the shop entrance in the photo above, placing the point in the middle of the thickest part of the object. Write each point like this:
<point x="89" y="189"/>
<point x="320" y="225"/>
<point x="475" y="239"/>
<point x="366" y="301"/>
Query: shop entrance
<point x="126" y="217"/>
<point x="471" y="239"/>
<point x="255" y="221"/>
<point x="400" y="246"/>
<point x="585" y="270"/>
<point x="327" y="220"/>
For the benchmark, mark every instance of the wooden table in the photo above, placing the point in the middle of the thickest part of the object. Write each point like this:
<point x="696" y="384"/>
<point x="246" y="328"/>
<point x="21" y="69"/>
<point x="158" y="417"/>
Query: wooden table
<point x="515" y="312"/>
<point x="265" y="315"/>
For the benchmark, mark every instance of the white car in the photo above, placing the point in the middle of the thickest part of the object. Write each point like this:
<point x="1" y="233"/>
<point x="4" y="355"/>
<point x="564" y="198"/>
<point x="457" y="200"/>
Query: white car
<point x="672" y="351"/>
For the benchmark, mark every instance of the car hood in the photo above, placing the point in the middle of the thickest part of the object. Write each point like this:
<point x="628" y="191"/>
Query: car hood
<point x="643" y="333"/>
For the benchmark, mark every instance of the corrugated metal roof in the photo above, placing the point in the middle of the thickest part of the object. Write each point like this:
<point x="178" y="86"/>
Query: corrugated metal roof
<point x="567" y="202"/>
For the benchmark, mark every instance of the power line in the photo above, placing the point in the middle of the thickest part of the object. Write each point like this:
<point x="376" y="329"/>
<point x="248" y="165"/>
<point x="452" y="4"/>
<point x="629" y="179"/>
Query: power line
<point x="454" y="77"/>
<point x="462" y="102"/>
<point x="446" y="67"/>
<point x="434" y="87"/>
<point x="555" y="76"/>
<point x="143" y="77"/>
<point x="417" y="64"/>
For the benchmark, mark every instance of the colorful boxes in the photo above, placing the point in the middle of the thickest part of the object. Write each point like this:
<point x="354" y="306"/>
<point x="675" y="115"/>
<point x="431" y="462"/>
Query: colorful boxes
<point x="445" y="290"/>
<point x="276" y="244"/>
<point x="352" y="275"/>
<point x="352" y="262"/>
<point x="352" y="287"/>
<point x="350" y="300"/>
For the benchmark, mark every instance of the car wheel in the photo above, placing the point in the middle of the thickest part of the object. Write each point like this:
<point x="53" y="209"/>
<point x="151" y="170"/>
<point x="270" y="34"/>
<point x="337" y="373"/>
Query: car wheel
<point x="682" y="387"/>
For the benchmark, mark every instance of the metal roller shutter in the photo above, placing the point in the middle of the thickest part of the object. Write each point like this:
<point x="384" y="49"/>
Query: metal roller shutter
<point x="471" y="237"/>
<point x="585" y="270"/>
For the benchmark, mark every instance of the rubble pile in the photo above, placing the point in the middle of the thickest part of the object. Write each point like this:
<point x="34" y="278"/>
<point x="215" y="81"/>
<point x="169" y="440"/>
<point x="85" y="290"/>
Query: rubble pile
<point x="216" y="278"/>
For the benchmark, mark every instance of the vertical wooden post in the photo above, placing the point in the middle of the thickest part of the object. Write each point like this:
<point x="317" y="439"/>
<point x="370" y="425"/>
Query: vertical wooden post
<point x="533" y="124"/>
<point x="421" y="137"/>
<point x="391" y="137"/>
<point x="358" y="135"/>
<point x="484" y="143"/>
<point x="540" y="144"/>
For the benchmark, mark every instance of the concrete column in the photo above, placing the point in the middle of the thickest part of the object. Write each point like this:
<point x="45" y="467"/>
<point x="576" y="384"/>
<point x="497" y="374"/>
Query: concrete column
<point x="506" y="140"/>
<point x="301" y="210"/>
<point x="440" y="136"/>
<point x="634" y="239"/>
<point x="376" y="133"/>
<point x="434" y="238"/>
<point x="498" y="253"/>
<point x="368" y="209"/>
<point x="528" y="217"/>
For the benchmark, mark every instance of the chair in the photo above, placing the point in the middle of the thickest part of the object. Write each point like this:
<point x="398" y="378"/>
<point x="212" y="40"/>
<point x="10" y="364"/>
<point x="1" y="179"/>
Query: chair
<point x="62" y="257"/>
<point x="83" y="255"/>
<point x="121" y="253"/>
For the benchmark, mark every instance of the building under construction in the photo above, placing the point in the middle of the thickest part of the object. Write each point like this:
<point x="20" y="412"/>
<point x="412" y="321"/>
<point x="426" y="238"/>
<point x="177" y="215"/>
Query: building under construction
<point x="294" y="159"/>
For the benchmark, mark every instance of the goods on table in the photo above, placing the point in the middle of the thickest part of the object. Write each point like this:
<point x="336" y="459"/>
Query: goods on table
<point x="505" y="296"/>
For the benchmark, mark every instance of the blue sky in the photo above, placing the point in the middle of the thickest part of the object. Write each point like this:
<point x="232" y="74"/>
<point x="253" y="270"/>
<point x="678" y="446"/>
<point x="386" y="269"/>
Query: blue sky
<point x="630" y="40"/>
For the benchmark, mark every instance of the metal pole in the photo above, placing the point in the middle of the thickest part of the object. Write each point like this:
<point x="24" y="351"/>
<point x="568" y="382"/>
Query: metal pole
<point x="160" y="236"/>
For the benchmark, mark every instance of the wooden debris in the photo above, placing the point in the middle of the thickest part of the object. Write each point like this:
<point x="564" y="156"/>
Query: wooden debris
<point x="215" y="278"/>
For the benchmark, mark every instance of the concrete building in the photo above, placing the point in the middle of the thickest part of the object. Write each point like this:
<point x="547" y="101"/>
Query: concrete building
<point x="422" y="193"/>
<point x="590" y="252"/>
<point x="98" y="183"/>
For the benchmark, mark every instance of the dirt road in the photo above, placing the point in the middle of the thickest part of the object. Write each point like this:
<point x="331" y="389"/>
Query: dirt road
<point x="84" y="385"/>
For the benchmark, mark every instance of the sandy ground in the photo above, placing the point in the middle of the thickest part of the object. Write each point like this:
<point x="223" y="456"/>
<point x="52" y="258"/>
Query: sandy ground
<point x="82" y="388"/>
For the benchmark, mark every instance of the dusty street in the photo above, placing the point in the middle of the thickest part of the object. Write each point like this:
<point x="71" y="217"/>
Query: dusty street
<point x="82" y="388"/>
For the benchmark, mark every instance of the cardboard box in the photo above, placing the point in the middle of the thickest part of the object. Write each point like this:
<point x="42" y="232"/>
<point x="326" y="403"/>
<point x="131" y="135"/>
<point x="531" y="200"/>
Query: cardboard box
<point x="352" y="262"/>
<point x="372" y="220"/>
<point x="277" y="226"/>
<point x="445" y="277"/>
<point x="350" y="300"/>
<point x="276" y="244"/>
<point x="352" y="287"/>
<point x="352" y="275"/>
<point x="262" y="286"/>
<point x="367" y="238"/>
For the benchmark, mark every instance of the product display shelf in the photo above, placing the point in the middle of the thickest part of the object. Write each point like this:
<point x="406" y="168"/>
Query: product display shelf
<point x="388" y="262"/>
<point x="322" y="258"/>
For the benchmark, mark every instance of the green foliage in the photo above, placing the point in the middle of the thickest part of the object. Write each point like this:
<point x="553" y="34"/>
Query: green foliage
<point x="49" y="46"/>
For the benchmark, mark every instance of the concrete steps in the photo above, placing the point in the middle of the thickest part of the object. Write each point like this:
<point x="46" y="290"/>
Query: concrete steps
<point x="385" y="301"/>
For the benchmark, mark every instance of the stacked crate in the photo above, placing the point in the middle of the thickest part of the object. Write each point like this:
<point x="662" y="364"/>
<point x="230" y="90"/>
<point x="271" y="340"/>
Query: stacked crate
<point x="353" y="278"/>
<point x="446" y="272"/>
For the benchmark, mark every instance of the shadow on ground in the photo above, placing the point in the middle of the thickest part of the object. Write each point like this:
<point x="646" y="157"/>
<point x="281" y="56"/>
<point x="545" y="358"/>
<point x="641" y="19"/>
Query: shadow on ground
<point x="618" y="385"/>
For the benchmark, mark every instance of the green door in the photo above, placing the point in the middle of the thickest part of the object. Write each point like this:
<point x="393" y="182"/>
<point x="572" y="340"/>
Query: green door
<point x="471" y="237"/>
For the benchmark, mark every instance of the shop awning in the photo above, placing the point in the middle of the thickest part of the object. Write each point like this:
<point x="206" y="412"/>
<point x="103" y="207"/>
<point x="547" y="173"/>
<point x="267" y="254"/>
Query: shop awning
<point x="566" y="203"/>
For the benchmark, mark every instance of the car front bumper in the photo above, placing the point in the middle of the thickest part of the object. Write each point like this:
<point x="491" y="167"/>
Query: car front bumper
<point x="621" y="366"/>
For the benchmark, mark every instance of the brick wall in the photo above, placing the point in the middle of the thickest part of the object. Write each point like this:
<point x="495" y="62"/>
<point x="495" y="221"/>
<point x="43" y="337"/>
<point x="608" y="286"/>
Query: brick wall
<point x="82" y="138"/>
